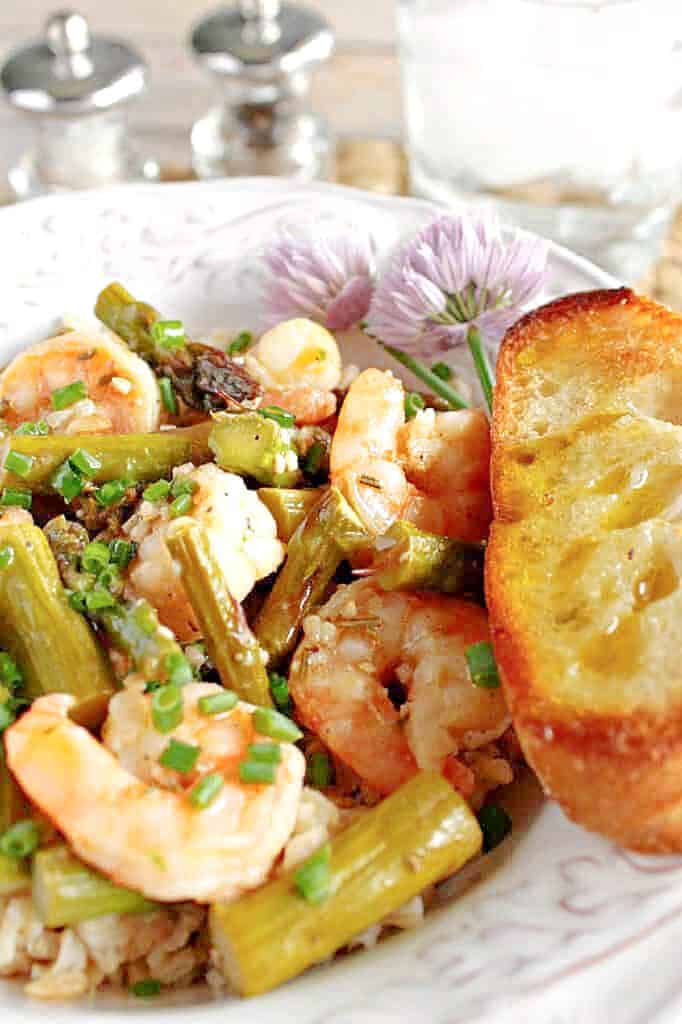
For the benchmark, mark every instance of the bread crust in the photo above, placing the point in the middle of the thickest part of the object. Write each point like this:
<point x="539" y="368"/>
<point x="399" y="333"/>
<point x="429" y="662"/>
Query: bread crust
<point x="618" y="774"/>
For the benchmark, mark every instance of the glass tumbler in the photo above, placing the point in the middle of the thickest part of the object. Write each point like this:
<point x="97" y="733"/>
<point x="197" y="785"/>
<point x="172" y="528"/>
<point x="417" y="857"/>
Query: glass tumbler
<point x="565" y="114"/>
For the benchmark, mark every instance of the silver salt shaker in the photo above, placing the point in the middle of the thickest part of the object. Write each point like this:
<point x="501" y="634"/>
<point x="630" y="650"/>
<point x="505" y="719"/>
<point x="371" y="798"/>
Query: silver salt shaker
<point x="76" y="88"/>
<point x="262" y="54"/>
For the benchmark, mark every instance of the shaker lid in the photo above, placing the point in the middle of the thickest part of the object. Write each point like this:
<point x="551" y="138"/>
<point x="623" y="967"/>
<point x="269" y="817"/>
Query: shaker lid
<point x="72" y="72"/>
<point x="261" y="38"/>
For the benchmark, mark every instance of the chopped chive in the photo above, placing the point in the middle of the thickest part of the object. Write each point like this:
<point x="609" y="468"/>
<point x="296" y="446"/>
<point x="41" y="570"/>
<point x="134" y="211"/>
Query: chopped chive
<point x="18" y="463"/>
<point x="95" y="557"/>
<point x="482" y="667"/>
<point x="413" y="404"/>
<point x="495" y="825"/>
<point x="122" y="552"/>
<point x="279" y="415"/>
<point x="279" y="689"/>
<point x="260" y="772"/>
<point x="157" y="491"/>
<point x="183" y="484"/>
<point x="181" y="505"/>
<point x="96" y="600"/>
<point x="147" y="988"/>
<point x="169" y="334"/>
<point x="109" y="578"/>
<point x="13" y="496"/>
<point x="178" y="669"/>
<point x="217" y="703"/>
<point x="7" y="716"/>
<point x="151" y="685"/>
<point x="270" y="753"/>
<point x="269" y="722"/>
<point x="313" y="878"/>
<point x="319" y="770"/>
<point x="167" y="708"/>
<point x="10" y="675"/>
<point x="77" y="601"/>
<point x="181" y="757"/>
<point x="84" y="463"/>
<point x="442" y="370"/>
<point x="168" y="396"/>
<point x="206" y="790"/>
<point x="62" y="398"/>
<point x="314" y="458"/>
<point x="20" y="840"/>
<point x="422" y="373"/>
<point x="28" y="429"/>
<point x="111" y="492"/>
<point x="243" y="341"/>
<point x="66" y="482"/>
<point x="6" y="556"/>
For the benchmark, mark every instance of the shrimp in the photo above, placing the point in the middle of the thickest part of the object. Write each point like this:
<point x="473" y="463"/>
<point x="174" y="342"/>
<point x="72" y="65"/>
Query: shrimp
<point x="242" y="532"/>
<point x="122" y="392"/>
<point x="432" y="470"/>
<point x="299" y="364"/>
<point x="131" y="819"/>
<point x="382" y="679"/>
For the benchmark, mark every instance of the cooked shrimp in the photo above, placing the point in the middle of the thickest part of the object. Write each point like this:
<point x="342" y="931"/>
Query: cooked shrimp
<point x="432" y="470"/>
<point x="122" y="393"/>
<point x="299" y="364"/>
<point x="243" y="535"/>
<point x="366" y="649"/>
<point x="131" y="819"/>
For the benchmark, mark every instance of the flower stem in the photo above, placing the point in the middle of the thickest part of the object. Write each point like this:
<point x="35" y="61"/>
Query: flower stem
<point x="436" y="383"/>
<point x="485" y="374"/>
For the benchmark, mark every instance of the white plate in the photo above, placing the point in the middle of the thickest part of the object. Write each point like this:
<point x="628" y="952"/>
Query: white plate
<point x="556" y="925"/>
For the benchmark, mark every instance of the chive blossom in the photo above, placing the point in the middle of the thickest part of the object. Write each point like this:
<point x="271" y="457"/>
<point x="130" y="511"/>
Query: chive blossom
<point x="62" y="398"/>
<point x="269" y="722"/>
<point x="181" y="757"/>
<point x="482" y="668"/>
<point x="313" y="878"/>
<point x="20" y="840"/>
<point x="279" y="415"/>
<point x="167" y="708"/>
<point x="217" y="703"/>
<point x="18" y="463"/>
<point x="12" y="496"/>
<point x="206" y="790"/>
<point x="258" y="772"/>
<point x="168" y="396"/>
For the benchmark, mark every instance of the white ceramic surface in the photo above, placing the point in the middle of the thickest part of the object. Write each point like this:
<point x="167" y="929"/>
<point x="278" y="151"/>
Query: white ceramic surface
<point x="556" y="925"/>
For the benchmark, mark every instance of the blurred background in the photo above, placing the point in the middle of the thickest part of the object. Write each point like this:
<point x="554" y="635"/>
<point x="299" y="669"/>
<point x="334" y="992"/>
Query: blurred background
<point x="564" y="114"/>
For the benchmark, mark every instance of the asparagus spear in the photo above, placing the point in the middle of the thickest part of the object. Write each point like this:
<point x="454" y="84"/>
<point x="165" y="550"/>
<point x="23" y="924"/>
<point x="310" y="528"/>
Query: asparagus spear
<point x="66" y="891"/>
<point x="289" y="507"/>
<point x="206" y="378"/>
<point x="411" y="559"/>
<point x="51" y="643"/>
<point x="231" y="645"/>
<point x="416" y="836"/>
<point x="121" y="456"/>
<point x="329" y="533"/>
<point x="133" y="627"/>
<point x="253" y="446"/>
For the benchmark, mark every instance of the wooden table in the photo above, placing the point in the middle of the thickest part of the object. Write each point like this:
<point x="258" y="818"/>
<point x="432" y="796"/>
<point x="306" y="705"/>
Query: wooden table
<point x="359" y="91"/>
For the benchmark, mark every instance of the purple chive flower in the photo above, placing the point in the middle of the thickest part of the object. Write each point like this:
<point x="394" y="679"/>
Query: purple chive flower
<point x="328" y="278"/>
<point x="458" y="272"/>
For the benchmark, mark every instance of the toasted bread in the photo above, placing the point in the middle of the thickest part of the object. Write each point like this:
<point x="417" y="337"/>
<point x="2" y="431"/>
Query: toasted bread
<point x="585" y="558"/>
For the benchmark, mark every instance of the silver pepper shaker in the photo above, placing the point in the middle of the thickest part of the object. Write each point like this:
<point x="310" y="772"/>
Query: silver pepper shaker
<point x="76" y="88"/>
<point x="262" y="53"/>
